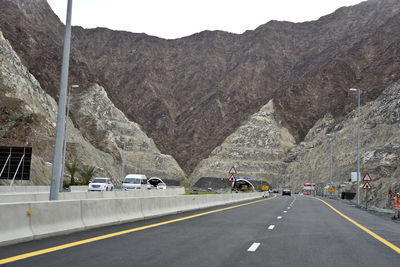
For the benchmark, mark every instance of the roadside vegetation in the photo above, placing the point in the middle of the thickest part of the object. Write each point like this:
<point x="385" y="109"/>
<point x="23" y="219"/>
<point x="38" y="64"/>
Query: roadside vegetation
<point x="86" y="173"/>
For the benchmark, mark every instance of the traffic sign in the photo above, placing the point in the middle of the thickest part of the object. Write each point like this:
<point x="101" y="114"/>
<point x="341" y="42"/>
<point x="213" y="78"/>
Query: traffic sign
<point x="232" y="178"/>
<point x="264" y="187"/>
<point x="232" y="170"/>
<point x="367" y="186"/>
<point x="331" y="189"/>
<point x="367" y="178"/>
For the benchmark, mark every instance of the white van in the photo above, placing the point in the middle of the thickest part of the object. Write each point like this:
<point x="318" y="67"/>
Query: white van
<point x="135" y="181"/>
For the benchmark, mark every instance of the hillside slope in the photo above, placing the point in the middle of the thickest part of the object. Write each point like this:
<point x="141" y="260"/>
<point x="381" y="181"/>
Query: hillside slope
<point x="189" y="94"/>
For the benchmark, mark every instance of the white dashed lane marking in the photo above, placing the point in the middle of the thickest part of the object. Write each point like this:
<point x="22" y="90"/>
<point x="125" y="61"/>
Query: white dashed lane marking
<point x="279" y="217"/>
<point x="253" y="247"/>
<point x="271" y="227"/>
<point x="284" y="211"/>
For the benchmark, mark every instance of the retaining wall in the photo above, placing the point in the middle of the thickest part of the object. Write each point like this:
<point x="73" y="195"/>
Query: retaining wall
<point x="26" y="221"/>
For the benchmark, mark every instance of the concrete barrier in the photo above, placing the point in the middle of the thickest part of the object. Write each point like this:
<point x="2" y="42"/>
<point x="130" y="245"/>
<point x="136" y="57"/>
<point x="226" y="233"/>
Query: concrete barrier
<point x="62" y="216"/>
<point x="44" y="196"/>
<point x="129" y="209"/>
<point x="51" y="217"/>
<point x="99" y="212"/>
<point x="78" y="188"/>
<point x="12" y="198"/>
<point x="24" y="189"/>
<point x="72" y="196"/>
<point x="15" y="223"/>
<point x="158" y="206"/>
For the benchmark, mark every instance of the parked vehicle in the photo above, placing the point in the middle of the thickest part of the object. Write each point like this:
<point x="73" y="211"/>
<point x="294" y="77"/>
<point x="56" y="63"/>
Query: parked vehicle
<point x="135" y="181"/>
<point x="101" y="184"/>
<point x="161" y="186"/>
<point x="286" y="192"/>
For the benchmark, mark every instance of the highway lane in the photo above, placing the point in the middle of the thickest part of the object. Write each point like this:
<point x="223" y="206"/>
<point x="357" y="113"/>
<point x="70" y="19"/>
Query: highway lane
<point x="308" y="234"/>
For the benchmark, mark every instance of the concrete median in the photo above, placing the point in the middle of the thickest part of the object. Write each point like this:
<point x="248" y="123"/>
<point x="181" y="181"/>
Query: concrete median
<point x="99" y="212"/>
<point x="129" y="209"/>
<point x="63" y="216"/>
<point x="55" y="217"/>
<point x="15" y="223"/>
<point x="158" y="206"/>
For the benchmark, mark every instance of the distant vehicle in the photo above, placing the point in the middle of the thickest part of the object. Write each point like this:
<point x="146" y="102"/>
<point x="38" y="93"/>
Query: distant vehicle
<point x="275" y="190"/>
<point x="135" y="181"/>
<point x="286" y="192"/>
<point x="265" y="194"/>
<point x="100" y="184"/>
<point x="161" y="186"/>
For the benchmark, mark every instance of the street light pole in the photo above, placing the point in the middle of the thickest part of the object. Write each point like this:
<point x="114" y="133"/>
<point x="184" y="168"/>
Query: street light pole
<point x="60" y="126"/>
<point x="330" y="136"/>
<point x="358" y="144"/>
<point x="65" y="138"/>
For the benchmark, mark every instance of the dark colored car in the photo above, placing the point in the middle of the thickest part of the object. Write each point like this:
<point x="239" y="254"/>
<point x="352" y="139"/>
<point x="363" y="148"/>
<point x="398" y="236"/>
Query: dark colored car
<point x="286" y="192"/>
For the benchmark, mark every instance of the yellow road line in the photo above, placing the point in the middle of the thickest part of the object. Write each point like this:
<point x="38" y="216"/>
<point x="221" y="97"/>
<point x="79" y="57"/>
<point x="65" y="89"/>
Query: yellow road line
<point x="89" y="240"/>
<point x="379" y="238"/>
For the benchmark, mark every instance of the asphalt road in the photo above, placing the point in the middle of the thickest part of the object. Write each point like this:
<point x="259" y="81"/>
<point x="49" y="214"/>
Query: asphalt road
<point x="309" y="233"/>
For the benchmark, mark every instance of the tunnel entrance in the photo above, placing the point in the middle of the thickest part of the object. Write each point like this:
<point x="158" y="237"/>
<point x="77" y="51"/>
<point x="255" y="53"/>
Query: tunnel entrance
<point x="243" y="185"/>
<point x="154" y="181"/>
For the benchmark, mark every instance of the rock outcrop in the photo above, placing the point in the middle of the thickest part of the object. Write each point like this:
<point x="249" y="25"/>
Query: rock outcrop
<point x="28" y="115"/>
<point x="311" y="160"/>
<point x="256" y="149"/>
<point x="107" y="129"/>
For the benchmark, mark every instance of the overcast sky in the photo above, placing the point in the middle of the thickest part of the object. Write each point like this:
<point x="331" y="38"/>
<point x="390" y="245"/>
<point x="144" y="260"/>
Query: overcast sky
<point x="177" y="18"/>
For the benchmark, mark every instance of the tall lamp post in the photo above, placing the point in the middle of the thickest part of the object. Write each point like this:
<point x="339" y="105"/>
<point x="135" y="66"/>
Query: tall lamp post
<point x="60" y="128"/>
<point x="358" y="143"/>
<point x="65" y="138"/>
<point x="330" y="138"/>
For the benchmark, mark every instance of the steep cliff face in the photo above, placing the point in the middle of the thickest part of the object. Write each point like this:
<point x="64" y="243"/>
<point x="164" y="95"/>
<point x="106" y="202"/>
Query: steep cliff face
<point x="191" y="93"/>
<point x="380" y="148"/>
<point x="107" y="129"/>
<point x="256" y="149"/>
<point x="27" y="118"/>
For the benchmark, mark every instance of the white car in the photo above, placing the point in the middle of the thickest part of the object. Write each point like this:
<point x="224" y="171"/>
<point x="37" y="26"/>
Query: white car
<point x="265" y="194"/>
<point x="135" y="181"/>
<point x="161" y="186"/>
<point x="101" y="184"/>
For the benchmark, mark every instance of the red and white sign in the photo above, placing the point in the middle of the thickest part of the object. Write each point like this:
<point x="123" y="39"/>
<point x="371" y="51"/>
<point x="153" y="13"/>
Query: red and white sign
<point x="309" y="186"/>
<point x="232" y="178"/>
<point x="367" y="178"/>
<point x="367" y="186"/>
<point x="232" y="171"/>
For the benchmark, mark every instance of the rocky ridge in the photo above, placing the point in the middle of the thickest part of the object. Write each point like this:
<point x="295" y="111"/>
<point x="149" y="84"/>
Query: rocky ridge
<point x="108" y="129"/>
<point x="190" y="94"/>
<point x="256" y="149"/>
<point x="28" y="114"/>
<point x="380" y="149"/>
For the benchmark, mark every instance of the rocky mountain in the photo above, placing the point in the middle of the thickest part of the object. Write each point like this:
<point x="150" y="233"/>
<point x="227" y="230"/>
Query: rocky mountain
<point x="190" y="94"/>
<point x="256" y="149"/>
<point x="265" y="151"/>
<point x="105" y="138"/>
<point x="107" y="128"/>
<point x="312" y="160"/>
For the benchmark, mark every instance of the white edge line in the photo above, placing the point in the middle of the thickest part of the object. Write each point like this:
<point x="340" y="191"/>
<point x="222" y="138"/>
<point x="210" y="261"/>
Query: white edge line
<point x="253" y="247"/>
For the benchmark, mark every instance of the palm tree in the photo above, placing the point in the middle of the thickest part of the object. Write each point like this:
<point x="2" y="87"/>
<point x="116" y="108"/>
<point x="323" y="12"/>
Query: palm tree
<point x="72" y="168"/>
<point x="87" y="172"/>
